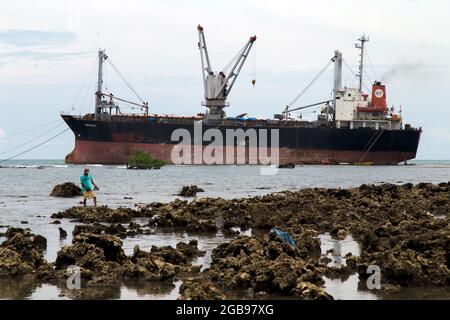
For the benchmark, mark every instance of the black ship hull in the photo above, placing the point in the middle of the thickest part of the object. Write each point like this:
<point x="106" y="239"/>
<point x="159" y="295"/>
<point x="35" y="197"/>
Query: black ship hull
<point x="113" y="141"/>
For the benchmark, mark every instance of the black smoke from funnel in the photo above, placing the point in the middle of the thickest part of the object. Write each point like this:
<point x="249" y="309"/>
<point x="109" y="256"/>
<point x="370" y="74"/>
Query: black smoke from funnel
<point x="407" y="72"/>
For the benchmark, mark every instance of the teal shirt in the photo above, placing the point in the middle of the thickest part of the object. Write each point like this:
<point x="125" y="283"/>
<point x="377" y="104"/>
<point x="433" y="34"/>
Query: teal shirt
<point x="86" y="181"/>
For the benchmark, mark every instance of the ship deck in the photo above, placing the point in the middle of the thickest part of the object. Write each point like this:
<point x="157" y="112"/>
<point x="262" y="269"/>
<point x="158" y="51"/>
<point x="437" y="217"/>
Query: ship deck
<point x="229" y="122"/>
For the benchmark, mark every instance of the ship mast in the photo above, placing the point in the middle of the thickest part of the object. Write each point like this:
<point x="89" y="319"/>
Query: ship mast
<point x="360" y="46"/>
<point x="337" y="59"/>
<point x="98" y="95"/>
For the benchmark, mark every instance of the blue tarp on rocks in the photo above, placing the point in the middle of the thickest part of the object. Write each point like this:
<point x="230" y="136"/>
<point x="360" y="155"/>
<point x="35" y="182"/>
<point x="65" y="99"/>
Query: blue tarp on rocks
<point x="283" y="235"/>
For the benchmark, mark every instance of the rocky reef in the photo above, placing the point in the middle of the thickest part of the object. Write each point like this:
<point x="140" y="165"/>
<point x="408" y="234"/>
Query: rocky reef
<point x="66" y="190"/>
<point x="22" y="254"/>
<point x="190" y="191"/>
<point x="97" y="214"/>
<point x="403" y="229"/>
<point x="265" y="266"/>
<point x="102" y="260"/>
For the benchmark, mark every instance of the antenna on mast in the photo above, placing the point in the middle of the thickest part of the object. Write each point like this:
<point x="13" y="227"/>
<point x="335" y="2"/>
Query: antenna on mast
<point x="360" y="45"/>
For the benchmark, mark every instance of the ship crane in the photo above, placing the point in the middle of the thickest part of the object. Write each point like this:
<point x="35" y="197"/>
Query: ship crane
<point x="337" y="60"/>
<point x="217" y="86"/>
<point x="103" y="108"/>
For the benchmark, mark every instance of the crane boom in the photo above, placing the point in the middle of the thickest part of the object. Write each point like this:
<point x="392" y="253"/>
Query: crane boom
<point x="206" y="67"/>
<point x="236" y="68"/>
<point x="305" y="107"/>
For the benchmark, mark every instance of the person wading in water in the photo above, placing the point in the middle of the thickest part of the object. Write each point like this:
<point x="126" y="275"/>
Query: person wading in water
<point x="88" y="186"/>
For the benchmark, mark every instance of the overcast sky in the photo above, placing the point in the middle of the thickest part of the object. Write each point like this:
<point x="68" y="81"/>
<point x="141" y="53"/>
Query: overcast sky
<point x="48" y="50"/>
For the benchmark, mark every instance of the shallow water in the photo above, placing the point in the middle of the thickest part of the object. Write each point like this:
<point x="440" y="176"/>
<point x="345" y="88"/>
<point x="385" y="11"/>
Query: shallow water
<point x="31" y="290"/>
<point x="344" y="289"/>
<point x="26" y="184"/>
<point x="352" y="288"/>
<point x="341" y="248"/>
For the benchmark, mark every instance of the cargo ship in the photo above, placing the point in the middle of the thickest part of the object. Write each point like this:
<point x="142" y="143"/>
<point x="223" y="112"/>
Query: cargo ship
<point x="353" y="127"/>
